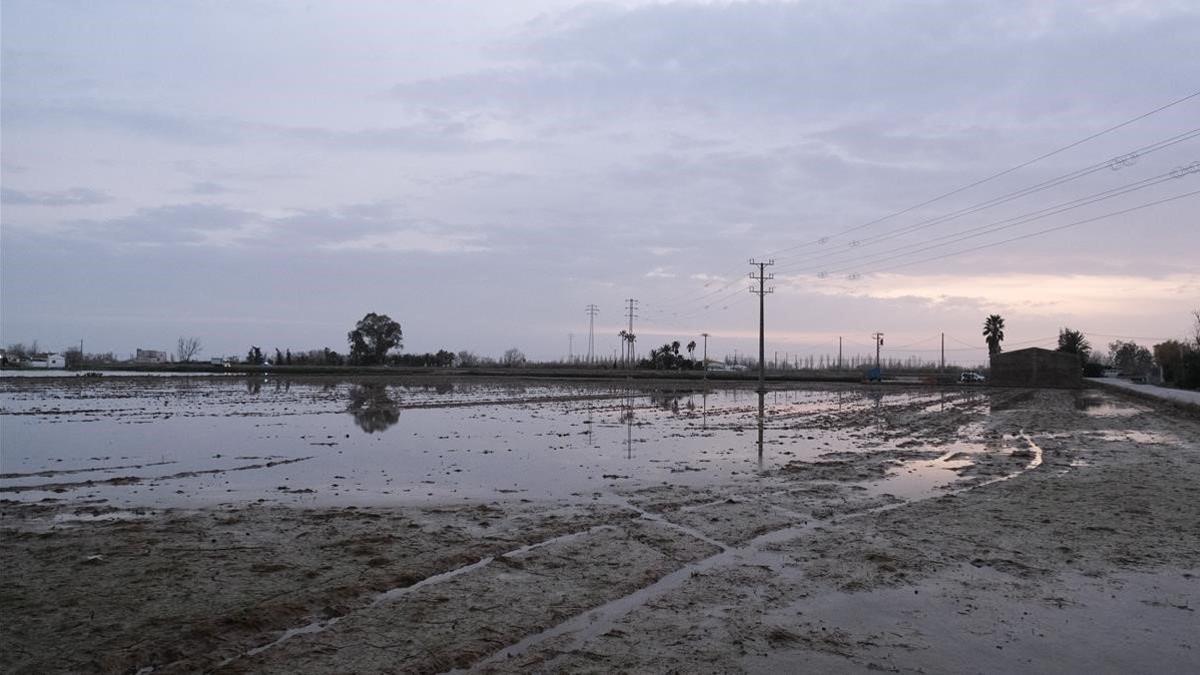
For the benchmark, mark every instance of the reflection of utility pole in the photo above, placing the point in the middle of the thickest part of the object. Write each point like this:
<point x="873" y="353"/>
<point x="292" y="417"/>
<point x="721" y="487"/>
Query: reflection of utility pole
<point x="761" y="393"/>
<point x="705" y="355"/>
<point x="878" y="343"/>
<point x="592" y="311"/>
<point x="630" y="338"/>
<point x="762" y="291"/>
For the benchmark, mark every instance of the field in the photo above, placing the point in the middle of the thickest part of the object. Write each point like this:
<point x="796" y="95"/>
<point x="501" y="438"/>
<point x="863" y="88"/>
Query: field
<point x="325" y="524"/>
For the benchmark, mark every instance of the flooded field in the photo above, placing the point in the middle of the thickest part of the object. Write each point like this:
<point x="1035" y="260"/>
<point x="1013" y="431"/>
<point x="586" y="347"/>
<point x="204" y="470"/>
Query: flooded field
<point x="312" y="525"/>
<point x="178" y="442"/>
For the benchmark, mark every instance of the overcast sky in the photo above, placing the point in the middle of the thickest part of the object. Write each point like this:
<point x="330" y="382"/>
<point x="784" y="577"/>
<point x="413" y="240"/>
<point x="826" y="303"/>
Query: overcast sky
<point x="265" y="173"/>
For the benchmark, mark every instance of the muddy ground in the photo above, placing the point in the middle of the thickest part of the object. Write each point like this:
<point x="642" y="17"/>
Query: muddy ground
<point x="1072" y="545"/>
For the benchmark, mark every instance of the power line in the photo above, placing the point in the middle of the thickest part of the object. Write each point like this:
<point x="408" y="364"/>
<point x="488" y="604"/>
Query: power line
<point x="1113" y="164"/>
<point x="1040" y="232"/>
<point x="1098" y="134"/>
<point x="1008" y="223"/>
<point x="1122" y="160"/>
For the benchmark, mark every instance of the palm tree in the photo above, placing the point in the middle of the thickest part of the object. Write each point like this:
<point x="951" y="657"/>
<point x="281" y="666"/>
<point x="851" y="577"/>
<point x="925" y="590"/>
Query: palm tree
<point x="993" y="330"/>
<point x="691" y="347"/>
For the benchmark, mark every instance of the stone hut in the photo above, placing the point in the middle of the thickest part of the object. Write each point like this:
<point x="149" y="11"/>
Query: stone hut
<point x="1036" y="367"/>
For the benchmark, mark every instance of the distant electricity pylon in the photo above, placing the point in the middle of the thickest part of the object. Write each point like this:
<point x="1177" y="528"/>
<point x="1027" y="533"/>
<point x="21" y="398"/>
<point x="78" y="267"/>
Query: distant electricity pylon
<point x="629" y="336"/>
<point x="762" y="277"/>
<point x="592" y="311"/>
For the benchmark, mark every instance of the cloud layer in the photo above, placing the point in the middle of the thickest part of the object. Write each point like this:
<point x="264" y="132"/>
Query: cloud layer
<point x="485" y="172"/>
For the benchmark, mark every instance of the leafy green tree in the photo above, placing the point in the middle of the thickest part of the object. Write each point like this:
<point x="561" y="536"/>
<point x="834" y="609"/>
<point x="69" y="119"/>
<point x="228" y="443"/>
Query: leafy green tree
<point x="255" y="356"/>
<point x="993" y="331"/>
<point x="1171" y="355"/>
<point x="1073" y="342"/>
<point x="1130" y="357"/>
<point x="373" y="337"/>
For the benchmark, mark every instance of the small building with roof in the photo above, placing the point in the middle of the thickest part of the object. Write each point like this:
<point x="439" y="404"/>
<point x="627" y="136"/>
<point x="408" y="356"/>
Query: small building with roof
<point x="1036" y="367"/>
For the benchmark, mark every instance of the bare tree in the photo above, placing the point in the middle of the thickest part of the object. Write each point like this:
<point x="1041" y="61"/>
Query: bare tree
<point x="513" y="357"/>
<point x="1196" y="328"/>
<point x="187" y="348"/>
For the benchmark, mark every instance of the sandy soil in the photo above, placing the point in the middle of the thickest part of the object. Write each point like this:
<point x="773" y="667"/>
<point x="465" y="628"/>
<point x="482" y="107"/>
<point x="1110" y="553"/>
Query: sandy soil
<point x="1072" y="545"/>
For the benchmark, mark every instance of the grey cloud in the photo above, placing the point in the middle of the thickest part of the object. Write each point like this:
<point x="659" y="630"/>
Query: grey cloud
<point x="366" y="226"/>
<point x="176" y="224"/>
<point x="208" y="188"/>
<point x="430" y="133"/>
<point x="72" y="197"/>
<point x="171" y="127"/>
<point x="804" y="58"/>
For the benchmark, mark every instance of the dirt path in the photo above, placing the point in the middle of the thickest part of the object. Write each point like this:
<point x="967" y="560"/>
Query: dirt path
<point x="1089" y="556"/>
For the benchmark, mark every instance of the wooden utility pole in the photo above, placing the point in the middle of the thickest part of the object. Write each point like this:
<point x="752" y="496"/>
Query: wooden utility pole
<point x="878" y="343"/>
<point x="705" y="355"/>
<point x="762" y="292"/>
<point x="839" y="352"/>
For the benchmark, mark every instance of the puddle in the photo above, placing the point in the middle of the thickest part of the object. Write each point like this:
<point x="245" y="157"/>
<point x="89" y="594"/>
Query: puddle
<point x="1148" y="437"/>
<point x="920" y="478"/>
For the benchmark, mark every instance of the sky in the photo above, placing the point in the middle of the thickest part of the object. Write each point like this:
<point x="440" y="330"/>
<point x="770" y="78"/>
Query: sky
<point x="266" y="173"/>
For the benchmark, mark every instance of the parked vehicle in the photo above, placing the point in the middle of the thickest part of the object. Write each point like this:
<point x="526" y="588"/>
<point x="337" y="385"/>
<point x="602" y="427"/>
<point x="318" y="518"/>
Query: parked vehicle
<point x="970" y="377"/>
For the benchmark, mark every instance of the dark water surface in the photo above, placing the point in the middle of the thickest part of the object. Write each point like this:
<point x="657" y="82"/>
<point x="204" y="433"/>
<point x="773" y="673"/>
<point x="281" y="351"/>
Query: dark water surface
<point x="198" y="441"/>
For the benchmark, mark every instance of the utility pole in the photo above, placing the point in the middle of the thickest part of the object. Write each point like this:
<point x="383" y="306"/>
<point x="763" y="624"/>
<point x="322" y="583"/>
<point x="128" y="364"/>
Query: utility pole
<point x="630" y="338"/>
<point x="878" y="343"/>
<point x="839" y="352"/>
<point x="592" y="311"/>
<point x="705" y="355"/>
<point x="570" y="347"/>
<point x="943" y="363"/>
<point x="762" y="291"/>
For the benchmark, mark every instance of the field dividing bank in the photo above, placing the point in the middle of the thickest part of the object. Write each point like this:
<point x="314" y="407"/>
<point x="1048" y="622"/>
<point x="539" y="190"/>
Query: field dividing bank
<point x="912" y="531"/>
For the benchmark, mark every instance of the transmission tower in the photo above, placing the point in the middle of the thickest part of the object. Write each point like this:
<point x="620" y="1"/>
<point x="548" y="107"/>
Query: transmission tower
<point x="762" y="278"/>
<point x="630" y="337"/>
<point x="592" y="311"/>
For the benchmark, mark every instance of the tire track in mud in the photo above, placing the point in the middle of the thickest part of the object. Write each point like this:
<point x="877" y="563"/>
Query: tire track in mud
<point x="393" y="594"/>
<point x="131" y="480"/>
<point x="597" y="621"/>
<point x="63" y="472"/>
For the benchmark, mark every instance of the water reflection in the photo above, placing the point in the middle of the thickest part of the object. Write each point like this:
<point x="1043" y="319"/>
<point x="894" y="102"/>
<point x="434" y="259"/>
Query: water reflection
<point x="761" y="394"/>
<point x="627" y="416"/>
<point x="373" y="410"/>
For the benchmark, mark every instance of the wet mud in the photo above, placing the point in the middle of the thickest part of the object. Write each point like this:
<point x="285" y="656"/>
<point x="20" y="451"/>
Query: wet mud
<point x="860" y="529"/>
